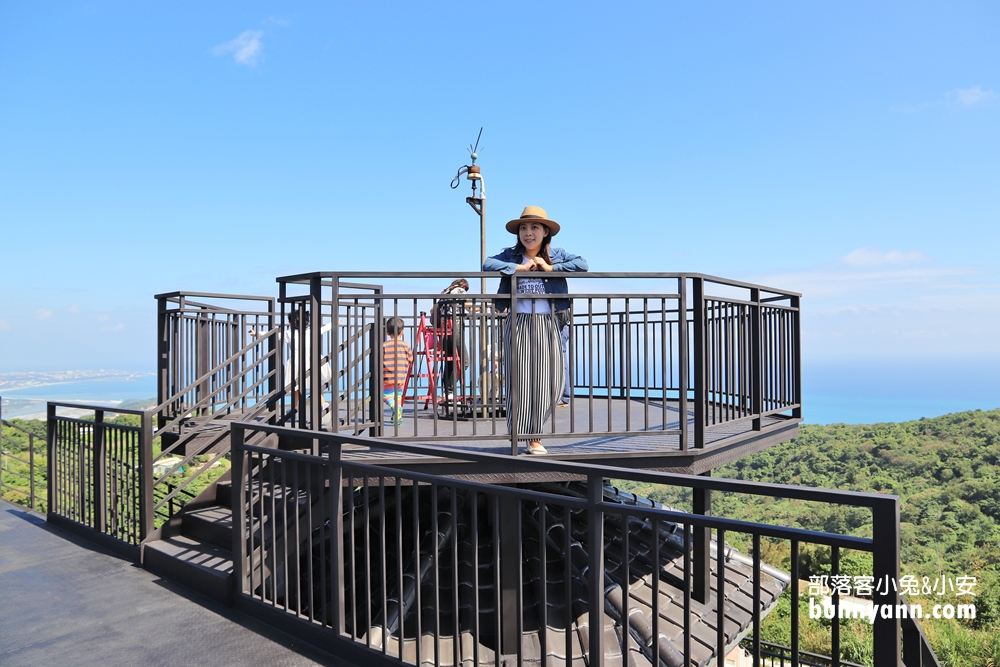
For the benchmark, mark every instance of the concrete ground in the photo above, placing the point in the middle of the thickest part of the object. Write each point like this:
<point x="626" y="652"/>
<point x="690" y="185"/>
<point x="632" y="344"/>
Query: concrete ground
<point x="64" y="601"/>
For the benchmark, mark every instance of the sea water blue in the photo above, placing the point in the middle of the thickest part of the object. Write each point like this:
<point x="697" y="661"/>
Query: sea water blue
<point x="31" y="400"/>
<point x="867" y="393"/>
<point x="832" y="393"/>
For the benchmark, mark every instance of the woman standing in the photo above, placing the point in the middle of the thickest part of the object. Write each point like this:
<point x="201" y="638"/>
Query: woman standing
<point x="534" y="373"/>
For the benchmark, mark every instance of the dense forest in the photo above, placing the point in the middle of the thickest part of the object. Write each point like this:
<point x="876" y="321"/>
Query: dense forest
<point x="945" y="471"/>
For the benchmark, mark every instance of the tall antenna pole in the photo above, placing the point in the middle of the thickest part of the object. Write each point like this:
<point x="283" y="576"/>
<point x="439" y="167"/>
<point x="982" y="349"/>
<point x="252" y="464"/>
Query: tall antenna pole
<point x="477" y="202"/>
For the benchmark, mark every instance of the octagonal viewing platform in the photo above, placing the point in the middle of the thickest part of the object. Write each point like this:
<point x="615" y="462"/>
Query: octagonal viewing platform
<point x="669" y="371"/>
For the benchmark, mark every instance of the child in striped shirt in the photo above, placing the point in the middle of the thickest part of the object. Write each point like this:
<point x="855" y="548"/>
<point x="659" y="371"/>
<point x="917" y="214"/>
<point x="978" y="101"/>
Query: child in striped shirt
<point x="396" y="359"/>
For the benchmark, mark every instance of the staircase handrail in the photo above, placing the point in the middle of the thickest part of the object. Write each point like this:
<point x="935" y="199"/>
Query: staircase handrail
<point x="252" y="414"/>
<point x="205" y="401"/>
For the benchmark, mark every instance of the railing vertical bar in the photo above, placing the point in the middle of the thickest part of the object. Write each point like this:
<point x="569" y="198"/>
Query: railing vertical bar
<point x="512" y="366"/>
<point x="645" y="363"/>
<point x="795" y="603"/>
<point x="475" y="577"/>
<point x="436" y="571"/>
<point x="700" y="362"/>
<point x="720" y="589"/>
<point x="310" y="472"/>
<point x="610" y="366"/>
<point x="590" y="364"/>
<point x="418" y="609"/>
<point x="284" y="528"/>
<point x="687" y="592"/>
<point x="518" y="506"/>
<point x="756" y="600"/>
<point x="366" y="519"/>
<point x="237" y="504"/>
<point x="352" y="549"/>
<point x="273" y="546"/>
<point x="568" y="579"/>
<point x="497" y="590"/>
<point x="455" y="578"/>
<point x="31" y="469"/>
<point x="595" y="570"/>
<point x="625" y="590"/>
<point x="383" y="563"/>
<point x="335" y="475"/>
<point x="835" y="628"/>
<point x="655" y="577"/>
<point x="626" y="362"/>
<point x="543" y="558"/>
<point x="797" y="356"/>
<point x="400" y="582"/>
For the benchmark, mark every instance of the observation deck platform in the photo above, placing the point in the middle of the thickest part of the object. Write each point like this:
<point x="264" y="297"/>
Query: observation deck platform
<point x="588" y="430"/>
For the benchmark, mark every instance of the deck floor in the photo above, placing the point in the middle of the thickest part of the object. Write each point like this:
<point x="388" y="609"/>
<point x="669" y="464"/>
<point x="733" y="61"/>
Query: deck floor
<point x="595" y="427"/>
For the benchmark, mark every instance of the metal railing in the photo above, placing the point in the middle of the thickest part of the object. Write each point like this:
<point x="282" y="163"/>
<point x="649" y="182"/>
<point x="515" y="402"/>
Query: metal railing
<point x="776" y="655"/>
<point x="19" y="468"/>
<point x="414" y="568"/>
<point x="695" y="360"/>
<point x="100" y="473"/>
<point x="205" y="348"/>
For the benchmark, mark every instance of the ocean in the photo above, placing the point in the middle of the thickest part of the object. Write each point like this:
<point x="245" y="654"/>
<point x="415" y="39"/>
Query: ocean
<point x="30" y="401"/>
<point x="832" y="393"/>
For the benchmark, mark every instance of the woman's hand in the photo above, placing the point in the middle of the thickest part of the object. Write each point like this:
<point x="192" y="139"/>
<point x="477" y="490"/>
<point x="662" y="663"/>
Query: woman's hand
<point x="542" y="265"/>
<point x="529" y="265"/>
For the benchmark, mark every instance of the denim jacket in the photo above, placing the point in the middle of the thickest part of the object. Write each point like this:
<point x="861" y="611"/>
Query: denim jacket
<point x="508" y="260"/>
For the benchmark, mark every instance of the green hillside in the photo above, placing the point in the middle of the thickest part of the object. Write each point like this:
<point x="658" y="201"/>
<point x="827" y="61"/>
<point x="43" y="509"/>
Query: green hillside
<point x="945" y="471"/>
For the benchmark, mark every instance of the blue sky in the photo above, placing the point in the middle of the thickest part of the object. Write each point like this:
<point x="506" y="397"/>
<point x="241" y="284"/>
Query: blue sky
<point x="848" y="151"/>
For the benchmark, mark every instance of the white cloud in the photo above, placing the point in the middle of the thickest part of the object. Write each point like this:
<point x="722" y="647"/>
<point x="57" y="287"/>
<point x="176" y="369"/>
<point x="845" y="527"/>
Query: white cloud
<point x="875" y="257"/>
<point x="43" y="313"/>
<point x="103" y="317"/>
<point x="881" y="307"/>
<point x="73" y="308"/>
<point x="972" y="96"/>
<point x="246" y="49"/>
<point x="4" y="325"/>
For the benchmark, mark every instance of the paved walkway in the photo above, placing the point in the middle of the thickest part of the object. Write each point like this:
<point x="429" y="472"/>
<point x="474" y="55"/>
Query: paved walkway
<point x="66" y="602"/>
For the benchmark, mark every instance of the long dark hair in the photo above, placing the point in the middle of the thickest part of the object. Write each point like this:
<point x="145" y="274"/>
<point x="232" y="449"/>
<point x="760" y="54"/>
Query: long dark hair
<point x="543" y="252"/>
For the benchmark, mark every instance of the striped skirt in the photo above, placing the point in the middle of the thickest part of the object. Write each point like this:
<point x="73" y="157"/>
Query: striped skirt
<point x="533" y="374"/>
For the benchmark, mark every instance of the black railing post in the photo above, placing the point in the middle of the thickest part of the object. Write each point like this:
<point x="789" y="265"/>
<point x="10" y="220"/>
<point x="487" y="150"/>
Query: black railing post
<point x="81" y="471"/>
<point x="595" y="568"/>
<point x="31" y="468"/>
<point x="701" y="551"/>
<point x="510" y="572"/>
<point x="238" y="503"/>
<point x="335" y="473"/>
<point x="700" y="389"/>
<point x="162" y="355"/>
<point x="50" y="449"/>
<point x="795" y="603"/>
<point x="97" y="451"/>
<point x="375" y="383"/>
<point x="203" y="363"/>
<point x="512" y="365"/>
<point x="797" y="357"/>
<point x="885" y="566"/>
<point x="756" y="354"/>
<point x="314" y="383"/>
<point x="913" y="654"/>
<point x="316" y="287"/>
<point x="272" y="366"/>
<point x="146" y="503"/>
<point x="682" y="363"/>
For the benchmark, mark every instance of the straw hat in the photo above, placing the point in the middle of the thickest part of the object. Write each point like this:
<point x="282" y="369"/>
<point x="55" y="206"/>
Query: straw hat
<point x="533" y="214"/>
